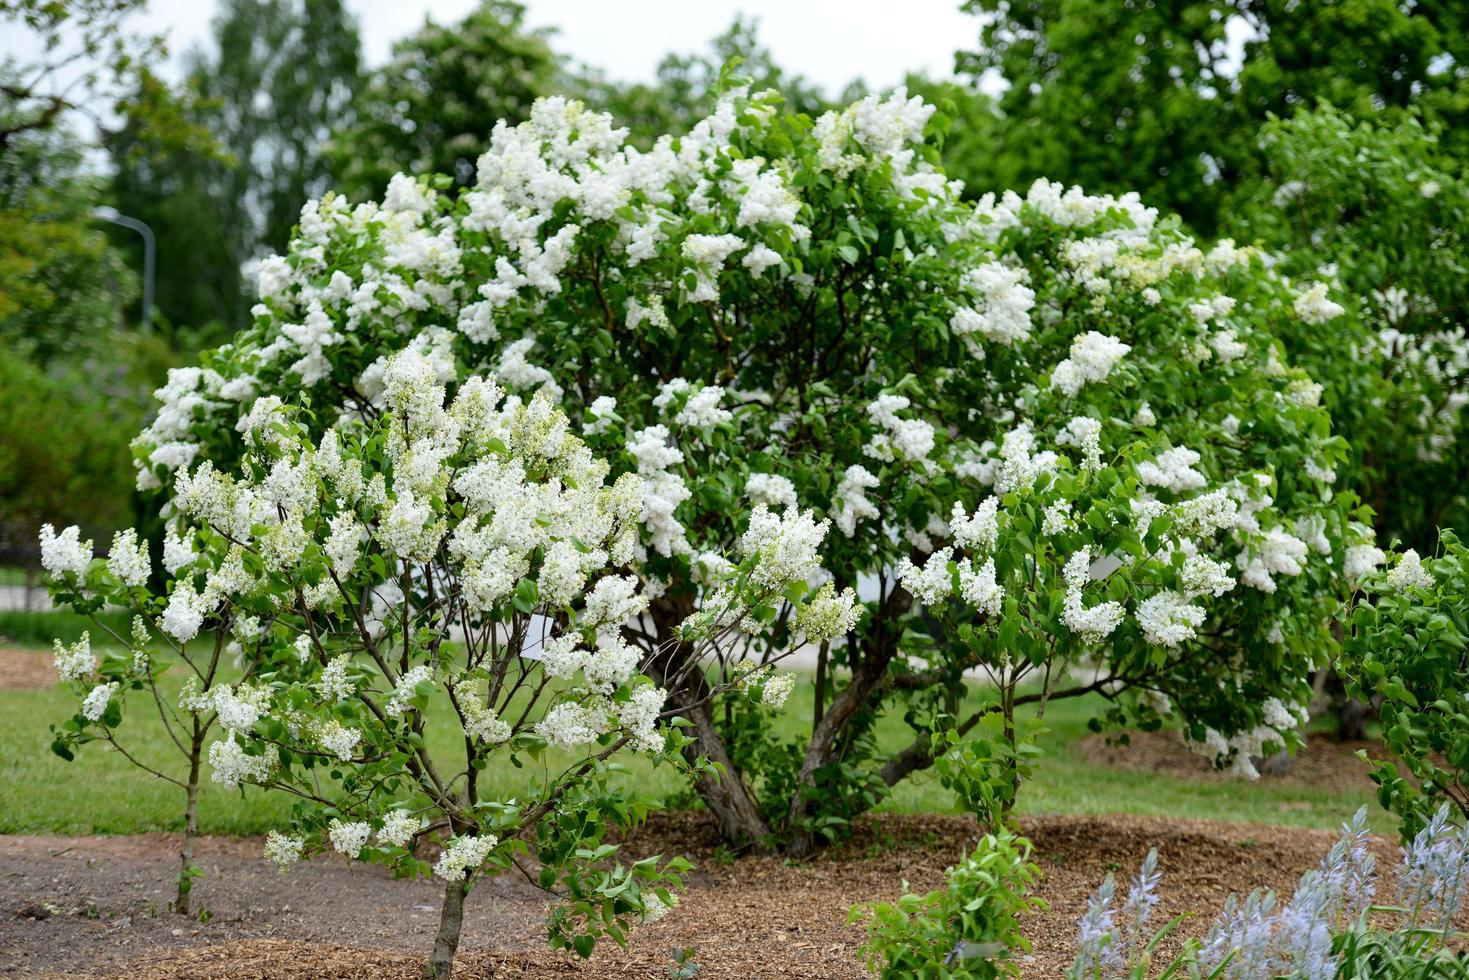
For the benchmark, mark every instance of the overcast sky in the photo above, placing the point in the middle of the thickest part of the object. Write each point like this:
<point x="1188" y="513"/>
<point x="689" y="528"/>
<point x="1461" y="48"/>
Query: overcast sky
<point x="831" y="42"/>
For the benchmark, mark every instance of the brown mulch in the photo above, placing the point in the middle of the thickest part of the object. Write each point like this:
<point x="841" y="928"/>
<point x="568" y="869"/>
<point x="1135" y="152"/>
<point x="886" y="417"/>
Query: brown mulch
<point x="26" y="670"/>
<point x="96" y="906"/>
<point x="1322" y="763"/>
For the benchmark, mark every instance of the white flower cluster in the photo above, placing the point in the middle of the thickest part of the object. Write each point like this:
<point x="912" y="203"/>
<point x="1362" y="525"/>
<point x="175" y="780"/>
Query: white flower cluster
<point x="1002" y="306"/>
<point x="1093" y="355"/>
<point x="462" y="856"/>
<point x="1092" y="623"/>
<point x="910" y="440"/>
<point x="1315" y="307"/>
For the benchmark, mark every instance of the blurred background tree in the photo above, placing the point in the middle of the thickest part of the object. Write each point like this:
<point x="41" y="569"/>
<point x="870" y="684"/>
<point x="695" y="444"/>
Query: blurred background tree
<point x="432" y="107"/>
<point x="281" y="74"/>
<point x="686" y="86"/>
<point x="1382" y="208"/>
<point x="1166" y="98"/>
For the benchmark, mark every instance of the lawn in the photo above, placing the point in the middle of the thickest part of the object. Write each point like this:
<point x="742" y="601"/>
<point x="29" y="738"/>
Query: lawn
<point x="100" y="793"/>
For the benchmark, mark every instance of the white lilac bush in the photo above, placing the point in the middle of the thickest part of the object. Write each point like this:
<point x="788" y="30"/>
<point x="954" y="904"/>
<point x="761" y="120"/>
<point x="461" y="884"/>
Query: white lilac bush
<point x="1408" y="652"/>
<point x="1056" y="439"/>
<point x="422" y="588"/>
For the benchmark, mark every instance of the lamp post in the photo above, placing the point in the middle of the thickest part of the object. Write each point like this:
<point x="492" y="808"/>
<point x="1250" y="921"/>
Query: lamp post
<point x="150" y="249"/>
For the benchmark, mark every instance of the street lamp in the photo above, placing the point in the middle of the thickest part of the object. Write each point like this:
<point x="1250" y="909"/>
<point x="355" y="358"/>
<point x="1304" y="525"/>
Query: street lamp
<point x="150" y="249"/>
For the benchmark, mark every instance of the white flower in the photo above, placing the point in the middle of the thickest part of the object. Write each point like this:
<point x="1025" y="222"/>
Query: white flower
<point x="613" y="601"/>
<point x="1314" y="307"/>
<point x="64" y="552"/>
<point x="338" y="739"/>
<point x="128" y="559"/>
<point x="1202" y="575"/>
<point x="1277" y="553"/>
<point x="1092" y="624"/>
<point x="570" y="724"/>
<point x="931" y="583"/>
<point x="406" y="689"/>
<point x="1172" y="469"/>
<point x="786" y="546"/>
<point x="1002" y="309"/>
<point x="851" y="499"/>
<point x="349" y="838"/>
<point x="1168" y="619"/>
<point x="778" y="690"/>
<point x="178" y="552"/>
<point x="184" y="613"/>
<point x="239" y="709"/>
<point x="232" y="766"/>
<point x="982" y="530"/>
<point x="96" y="702"/>
<point x="1409" y="573"/>
<point x="900" y="439"/>
<point x="481" y="724"/>
<point x="463" y="856"/>
<point x="76" y="661"/>
<point x="771" y="490"/>
<point x="399" y="827"/>
<point x="1084" y="433"/>
<point x="334" y="686"/>
<point x="979" y="589"/>
<point x="283" y="850"/>
<point x="1361" y="560"/>
<point x="610" y="665"/>
<point x="827" y="613"/>
<point x="639" y="717"/>
<point x="1092" y="357"/>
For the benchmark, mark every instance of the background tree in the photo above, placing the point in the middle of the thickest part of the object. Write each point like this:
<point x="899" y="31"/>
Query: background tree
<point x="182" y="190"/>
<point x="283" y="72"/>
<point x="687" y="86"/>
<point x="1382" y="209"/>
<point x="432" y="107"/>
<point x="1151" y="97"/>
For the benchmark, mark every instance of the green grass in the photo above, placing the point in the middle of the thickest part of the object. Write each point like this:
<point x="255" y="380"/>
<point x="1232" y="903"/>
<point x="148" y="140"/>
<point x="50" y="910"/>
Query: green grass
<point x="101" y="793"/>
<point x="38" y="629"/>
<point x="12" y="576"/>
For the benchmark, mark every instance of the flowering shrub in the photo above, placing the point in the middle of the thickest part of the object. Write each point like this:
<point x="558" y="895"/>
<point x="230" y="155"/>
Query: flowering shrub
<point x="1323" y="932"/>
<point x="968" y="929"/>
<point x="421" y="588"/>
<point x="74" y="577"/>
<point x="1051" y="431"/>
<point x="1380" y="210"/>
<point x="1407" y="651"/>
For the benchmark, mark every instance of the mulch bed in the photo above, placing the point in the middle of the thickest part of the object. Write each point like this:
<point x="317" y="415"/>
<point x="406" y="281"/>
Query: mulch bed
<point x="1322" y="763"/>
<point x="96" y="906"/>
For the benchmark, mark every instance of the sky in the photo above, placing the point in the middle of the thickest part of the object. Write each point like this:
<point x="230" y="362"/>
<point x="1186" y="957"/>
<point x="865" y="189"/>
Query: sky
<point x="831" y="42"/>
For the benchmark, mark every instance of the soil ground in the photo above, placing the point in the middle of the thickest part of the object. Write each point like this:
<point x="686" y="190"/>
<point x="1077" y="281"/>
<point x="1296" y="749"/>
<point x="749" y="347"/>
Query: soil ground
<point x="97" y="906"/>
<point x="26" y="670"/>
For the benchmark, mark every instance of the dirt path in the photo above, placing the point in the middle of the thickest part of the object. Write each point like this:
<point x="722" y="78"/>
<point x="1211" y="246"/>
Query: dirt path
<point x="96" y="906"/>
<point x="24" y="669"/>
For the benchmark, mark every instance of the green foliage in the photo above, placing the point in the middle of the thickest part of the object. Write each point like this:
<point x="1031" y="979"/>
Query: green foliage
<point x="63" y="449"/>
<point x="60" y="282"/>
<point x="985" y="767"/>
<point x="970" y="928"/>
<point x="688" y="85"/>
<point x="183" y="190"/>
<point x="282" y="74"/>
<point x="1117" y="95"/>
<point x="1365" y="953"/>
<point x="38" y="629"/>
<point x="432" y="107"/>
<point x="1409" y="649"/>
<point x="1383" y="210"/>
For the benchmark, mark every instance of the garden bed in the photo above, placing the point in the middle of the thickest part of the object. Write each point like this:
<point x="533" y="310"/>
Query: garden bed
<point x="95" y="906"/>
